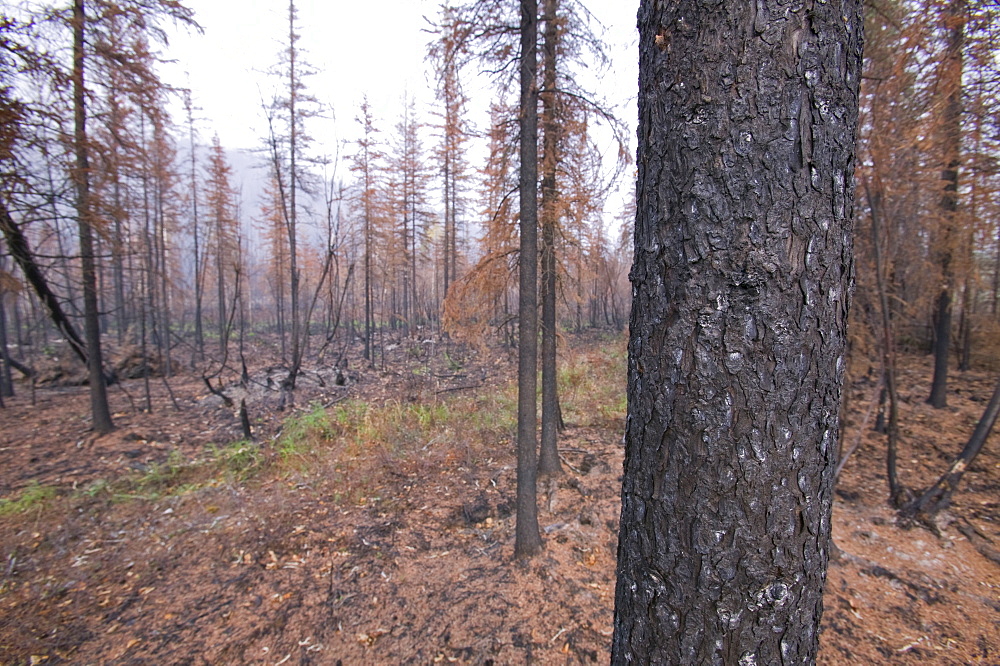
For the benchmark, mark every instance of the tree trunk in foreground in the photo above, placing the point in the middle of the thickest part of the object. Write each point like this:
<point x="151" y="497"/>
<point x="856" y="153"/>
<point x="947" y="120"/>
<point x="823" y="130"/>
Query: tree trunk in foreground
<point x="527" y="540"/>
<point x="741" y="285"/>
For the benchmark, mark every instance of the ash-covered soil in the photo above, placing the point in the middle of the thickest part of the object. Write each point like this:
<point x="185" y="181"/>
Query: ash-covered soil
<point x="141" y="554"/>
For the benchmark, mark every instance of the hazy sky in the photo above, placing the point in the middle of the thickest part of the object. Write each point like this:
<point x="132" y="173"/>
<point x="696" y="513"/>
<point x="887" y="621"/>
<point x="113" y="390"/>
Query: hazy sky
<point x="375" y="48"/>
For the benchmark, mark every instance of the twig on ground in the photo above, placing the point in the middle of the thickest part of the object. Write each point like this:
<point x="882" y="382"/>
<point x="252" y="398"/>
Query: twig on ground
<point x="567" y="463"/>
<point x="976" y="538"/>
<point x="458" y="388"/>
<point x="333" y="402"/>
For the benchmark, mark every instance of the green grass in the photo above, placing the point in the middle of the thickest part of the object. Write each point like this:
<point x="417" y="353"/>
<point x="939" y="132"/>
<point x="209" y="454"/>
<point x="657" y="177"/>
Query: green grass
<point x="237" y="461"/>
<point x="353" y="442"/>
<point x="302" y="433"/>
<point x="353" y="438"/>
<point x="34" y="496"/>
<point x="592" y="385"/>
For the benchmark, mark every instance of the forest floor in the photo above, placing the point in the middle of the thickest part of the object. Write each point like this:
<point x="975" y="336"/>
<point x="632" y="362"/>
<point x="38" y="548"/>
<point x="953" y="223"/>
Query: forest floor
<point x="371" y="522"/>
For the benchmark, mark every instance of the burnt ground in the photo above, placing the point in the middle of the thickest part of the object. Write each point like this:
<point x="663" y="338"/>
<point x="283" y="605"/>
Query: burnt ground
<point x="166" y="543"/>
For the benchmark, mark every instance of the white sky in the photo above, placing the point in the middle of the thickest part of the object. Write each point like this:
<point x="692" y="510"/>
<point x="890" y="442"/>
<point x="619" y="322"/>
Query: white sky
<point x="375" y="47"/>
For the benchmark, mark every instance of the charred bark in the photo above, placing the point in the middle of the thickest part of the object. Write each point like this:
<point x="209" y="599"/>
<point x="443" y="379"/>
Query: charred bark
<point x="548" y="460"/>
<point x="20" y="249"/>
<point x="741" y="284"/>
<point x="527" y="539"/>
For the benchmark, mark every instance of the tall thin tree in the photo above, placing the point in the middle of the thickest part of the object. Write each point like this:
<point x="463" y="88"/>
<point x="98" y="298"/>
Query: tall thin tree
<point x="954" y="18"/>
<point x="366" y="163"/>
<point x="99" y="409"/>
<point x="527" y="539"/>
<point x="548" y="460"/>
<point x="195" y="227"/>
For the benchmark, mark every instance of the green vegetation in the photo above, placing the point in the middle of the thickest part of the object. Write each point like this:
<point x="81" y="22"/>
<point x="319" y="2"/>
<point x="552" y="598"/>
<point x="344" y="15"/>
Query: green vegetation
<point x="34" y="496"/>
<point x="237" y="461"/>
<point x="592" y="385"/>
<point x="477" y="423"/>
<point x="303" y="435"/>
<point x="353" y="442"/>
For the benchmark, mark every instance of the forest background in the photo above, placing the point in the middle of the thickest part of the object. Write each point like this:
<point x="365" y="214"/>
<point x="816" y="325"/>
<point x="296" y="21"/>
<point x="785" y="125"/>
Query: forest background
<point x="375" y="226"/>
<point x="357" y="231"/>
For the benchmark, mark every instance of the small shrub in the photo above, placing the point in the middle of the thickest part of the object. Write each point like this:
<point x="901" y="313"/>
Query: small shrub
<point x="303" y="433"/>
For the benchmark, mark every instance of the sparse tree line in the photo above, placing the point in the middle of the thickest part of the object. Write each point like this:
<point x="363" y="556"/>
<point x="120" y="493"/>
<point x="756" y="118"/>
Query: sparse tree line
<point x="121" y="225"/>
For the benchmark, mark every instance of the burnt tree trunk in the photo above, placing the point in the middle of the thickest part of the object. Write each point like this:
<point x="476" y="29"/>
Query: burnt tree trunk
<point x="99" y="409"/>
<point x="6" y="381"/>
<point x="300" y="337"/>
<point x="952" y="138"/>
<point x="17" y="244"/>
<point x="527" y="539"/>
<point x="199" y="334"/>
<point x="548" y="459"/>
<point x="888" y="349"/>
<point x="965" y="323"/>
<point x="741" y="284"/>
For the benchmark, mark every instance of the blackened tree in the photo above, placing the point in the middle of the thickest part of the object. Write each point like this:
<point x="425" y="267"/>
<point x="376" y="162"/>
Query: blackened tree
<point x="527" y="540"/>
<point x="954" y="19"/>
<point x="100" y="412"/>
<point x="741" y="285"/>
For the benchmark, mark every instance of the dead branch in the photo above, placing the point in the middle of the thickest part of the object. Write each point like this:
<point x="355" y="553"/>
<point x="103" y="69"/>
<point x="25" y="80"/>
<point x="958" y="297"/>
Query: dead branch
<point x="225" y="398"/>
<point x="938" y="496"/>
<point x="861" y="430"/>
<point x="980" y="542"/>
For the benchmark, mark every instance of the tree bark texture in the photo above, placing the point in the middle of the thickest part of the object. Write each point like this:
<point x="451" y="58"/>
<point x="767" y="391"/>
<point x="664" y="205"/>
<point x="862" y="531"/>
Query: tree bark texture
<point x="741" y="284"/>
<point x="527" y="539"/>
<point x="548" y="459"/>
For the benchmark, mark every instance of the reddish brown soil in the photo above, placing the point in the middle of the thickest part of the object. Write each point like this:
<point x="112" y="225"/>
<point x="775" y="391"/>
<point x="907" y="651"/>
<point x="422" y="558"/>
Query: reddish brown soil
<point x="414" y="564"/>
